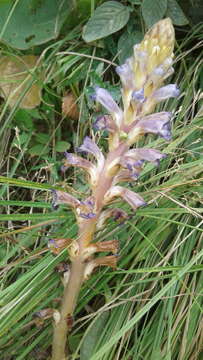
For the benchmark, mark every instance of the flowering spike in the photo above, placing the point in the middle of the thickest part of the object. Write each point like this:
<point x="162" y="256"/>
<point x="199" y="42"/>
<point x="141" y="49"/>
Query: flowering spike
<point x="142" y="77"/>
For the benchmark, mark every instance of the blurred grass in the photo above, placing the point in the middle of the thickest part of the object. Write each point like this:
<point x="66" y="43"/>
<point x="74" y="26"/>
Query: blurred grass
<point x="150" y="308"/>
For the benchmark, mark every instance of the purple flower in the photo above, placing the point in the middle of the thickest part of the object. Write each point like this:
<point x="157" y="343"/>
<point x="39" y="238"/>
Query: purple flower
<point x="138" y="96"/>
<point x="61" y="197"/>
<point x="77" y="161"/>
<point x="132" y="198"/>
<point x="126" y="74"/>
<point x="90" y="147"/>
<point x="166" y="92"/>
<point x="126" y="175"/>
<point x="105" y="122"/>
<point x="141" y="155"/>
<point x="87" y="216"/>
<point x="74" y="160"/>
<point x="106" y="100"/>
<point x="158" y="123"/>
<point x="86" y="209"/>
<point x="133" y="166"/>
<point x="117" y="214"/>
<point x="159" y="71"/>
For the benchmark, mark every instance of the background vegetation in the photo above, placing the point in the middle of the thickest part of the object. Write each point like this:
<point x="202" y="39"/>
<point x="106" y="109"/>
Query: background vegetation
<point x="150" y="307"/>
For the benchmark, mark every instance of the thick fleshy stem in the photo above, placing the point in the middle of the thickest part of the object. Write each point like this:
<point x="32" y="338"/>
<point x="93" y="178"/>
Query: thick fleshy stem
<point x="71" y="292"/>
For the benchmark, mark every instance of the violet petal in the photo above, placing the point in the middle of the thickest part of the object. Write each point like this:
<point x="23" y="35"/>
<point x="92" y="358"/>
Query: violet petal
<point x="106" y="100"/>
<point x="132" y="198"/>
<point x="166" y="92"/>
<point x="90" y="147"/>
<point x="158" y="123"/>
<point x="104" y="122"/>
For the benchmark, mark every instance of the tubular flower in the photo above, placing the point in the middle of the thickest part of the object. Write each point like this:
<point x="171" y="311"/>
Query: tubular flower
<point x="132" y="198"/>
<point x="77" y="161"/>
<point x="86" y="209"/>
<point x="106" y="100"/>
<point x="90" y="147"/>
<point x="141" y="155"/>
<point x="158" y="124"/>
<point x="116" y="214"/>
<point x="105" y="122"/>
<point x="61" y="197"/>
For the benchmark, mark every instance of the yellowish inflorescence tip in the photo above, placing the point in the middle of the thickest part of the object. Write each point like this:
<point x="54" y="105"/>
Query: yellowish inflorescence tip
<point x="149" y="66"/>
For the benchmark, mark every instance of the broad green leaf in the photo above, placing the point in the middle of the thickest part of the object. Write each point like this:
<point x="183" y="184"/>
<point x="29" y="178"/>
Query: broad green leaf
<point x="43" y="138"/>
<point x="39" y="149"/>
<point x="24" y="120"/>
<point x="93" y="336"/>
<point x="106" y="20"/>
<point x="153" y="11"/>
<point x="176" y="14"/>
<point x="27" y="23"/>
<point x="16" y="79"/>
<point x="126" y="43"/>
<point x="62" y="146"/>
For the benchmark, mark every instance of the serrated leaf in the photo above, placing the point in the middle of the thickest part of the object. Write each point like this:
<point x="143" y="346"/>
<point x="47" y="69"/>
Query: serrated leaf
<point x="153" y="11"/>
<point x="176" y="14"/>
<point x="15" y="80"/>
<point x="62" y="146"/>
<point x="126" y="43"/>
<point x="32" y="23"/>
<point x="106" y="20"/>
<point x="92" y="337"/>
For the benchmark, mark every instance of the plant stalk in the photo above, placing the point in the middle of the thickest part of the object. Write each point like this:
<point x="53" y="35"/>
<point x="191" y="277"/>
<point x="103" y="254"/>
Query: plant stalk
<point x="69" y="300"/>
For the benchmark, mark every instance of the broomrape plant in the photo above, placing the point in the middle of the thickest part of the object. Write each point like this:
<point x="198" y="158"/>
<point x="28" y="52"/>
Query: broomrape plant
<point x="142" y="77"/>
